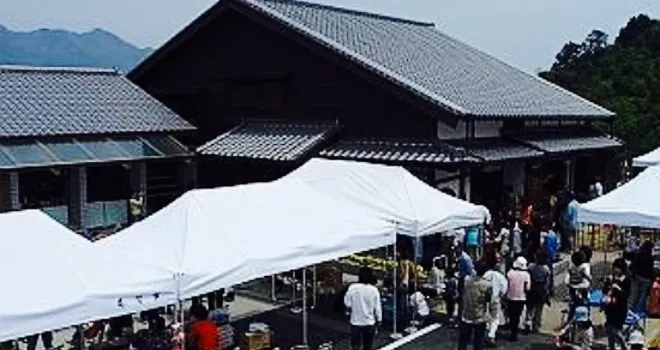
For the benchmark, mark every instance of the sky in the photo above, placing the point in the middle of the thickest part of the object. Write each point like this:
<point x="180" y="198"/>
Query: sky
<point x="525" y="33"/>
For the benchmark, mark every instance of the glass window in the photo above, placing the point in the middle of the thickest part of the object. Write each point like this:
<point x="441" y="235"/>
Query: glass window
<point x="136" y="147"/>
<point x="29" y="153"/>
<point x="103" y="149"/>
<point x="168" y="145"/>
<point x="5" y="162"/>
<point x="68" y="151"/>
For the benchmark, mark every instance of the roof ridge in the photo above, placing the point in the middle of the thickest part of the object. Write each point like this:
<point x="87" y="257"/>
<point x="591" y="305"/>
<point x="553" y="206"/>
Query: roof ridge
<point x="44" y="69"/>
<point x="352" y="11"/>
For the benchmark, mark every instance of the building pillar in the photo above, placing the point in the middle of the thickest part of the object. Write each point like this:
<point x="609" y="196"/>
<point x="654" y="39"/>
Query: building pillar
<point x="77" y="207"/>
<point x="188" y="175"/>
<point x="14" y="191"/>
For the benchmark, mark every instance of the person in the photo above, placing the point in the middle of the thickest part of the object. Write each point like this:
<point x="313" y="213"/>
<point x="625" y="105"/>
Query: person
<point x="551" y="247"/>
<point x="465" y="269"/>
<point x="516" y="239"/>
<point x="519" y="284"/>
<point x="500" y="286"/>
<point x="570" y="222"/>
<point x="632" y="246"/>
<point x="136" y="204"/>
<point x="636" y="340"/>
<point x="642" y="268"/>
<point x="203" y="333"/>
<point x="583" y="338"/>
<point x="504" y="237"/>
<point x="363" y="301"/>
<point x="538" y="295"/>
<point x="578" y="279"/>
<point x="596" y="189"/>
<point x="617" y="290"/>
<point x="475" y="302"/>
<point x="437" y="275"/>
<point x="418" y="305"/>
<point x="46" y="338"/>
<point x="450" y="295"/>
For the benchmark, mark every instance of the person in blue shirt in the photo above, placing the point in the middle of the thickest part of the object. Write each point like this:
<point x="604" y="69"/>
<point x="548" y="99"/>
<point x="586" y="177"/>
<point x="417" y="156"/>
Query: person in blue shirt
<point x="571" y="221"/>
<point x="465" y="268"/>
<point x="551" y="247"/>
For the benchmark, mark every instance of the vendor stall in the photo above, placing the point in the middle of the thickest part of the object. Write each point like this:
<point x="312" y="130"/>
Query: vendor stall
<point x="391" y="193"/>
<point x="634" y="204"/>
<point x="54" y="279"/>
<point x="647" y="160"/>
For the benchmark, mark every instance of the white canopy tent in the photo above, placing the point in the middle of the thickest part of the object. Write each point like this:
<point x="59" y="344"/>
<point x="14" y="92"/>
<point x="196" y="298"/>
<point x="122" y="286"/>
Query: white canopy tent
<point x="647" y="160"/>
<point x="633" y="204"/>
<point x="216" y="238"/>
<point x="391" y="193"/>
<point x="53" y="278"/>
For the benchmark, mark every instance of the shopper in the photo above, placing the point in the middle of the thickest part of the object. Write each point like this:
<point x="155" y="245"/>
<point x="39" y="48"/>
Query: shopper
<point x="538" y="294"/>
<point x="616" y="304"/>
<point x="203" y="334"/>
<point x="642" y="268"/>
<point x="363" y="301"/>
<point x="519" y="284"/>
<point x="475" y="299"/>
<point x="450" y="295"/>
<point x="419" y="308"/>
<point x="583" y="338"/>
<point x="578" y="280"/>
<point x="500" y="286"/>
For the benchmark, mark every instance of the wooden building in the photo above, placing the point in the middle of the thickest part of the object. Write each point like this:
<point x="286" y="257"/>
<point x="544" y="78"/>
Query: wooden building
<point x="270" y="83"/>
<point x="78" y="143"/>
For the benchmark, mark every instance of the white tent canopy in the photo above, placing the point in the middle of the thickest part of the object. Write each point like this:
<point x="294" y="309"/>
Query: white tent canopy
<point x="646" y="160"/>
<point x="217" y="238"/>
<point x="634" y="204"/>
<point x="391" y="193"/>
<point x="53" y="278"/>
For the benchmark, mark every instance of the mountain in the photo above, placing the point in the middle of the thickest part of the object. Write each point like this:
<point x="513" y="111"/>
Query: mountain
<point x="47" y="47"/>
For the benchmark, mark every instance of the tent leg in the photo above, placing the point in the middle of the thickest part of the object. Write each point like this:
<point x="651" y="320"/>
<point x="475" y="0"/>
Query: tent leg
<point x="304" y="306"/>
<point x="273" y="297"/>
<point x="183" y="321"/>
<point x="314" y="287"/>
<point x="394" y="334"/>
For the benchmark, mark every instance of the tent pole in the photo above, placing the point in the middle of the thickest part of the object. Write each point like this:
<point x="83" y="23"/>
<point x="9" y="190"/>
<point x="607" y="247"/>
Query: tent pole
<point x="304" y="306"/>
<point x="395" y="288"/>
<point x="314" y="291"/>
<point x="272" y="288"/>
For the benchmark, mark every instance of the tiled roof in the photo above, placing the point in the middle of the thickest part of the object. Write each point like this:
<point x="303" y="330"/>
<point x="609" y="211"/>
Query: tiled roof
<point x="38" y="101"/>
<point x="568" y="140"/>
<point x="269" y="141"/>
<point x="422" y="59"/>
<point x="498" y="149"/>
<point x="401" y="151"/>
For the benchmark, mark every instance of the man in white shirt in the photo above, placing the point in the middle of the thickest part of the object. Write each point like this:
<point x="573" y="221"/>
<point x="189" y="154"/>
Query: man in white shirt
<point x="363" y="300"/>
<point x="500" y="285"/>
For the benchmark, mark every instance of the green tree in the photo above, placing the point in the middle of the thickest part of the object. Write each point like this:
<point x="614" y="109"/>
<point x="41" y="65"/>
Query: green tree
<point x="623" y="76"/>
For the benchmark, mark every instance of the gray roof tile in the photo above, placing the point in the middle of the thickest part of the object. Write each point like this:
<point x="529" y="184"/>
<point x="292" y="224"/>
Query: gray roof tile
<point x="38" y="101"/>
<point x="498" y="149"/>
<point x="420" y="58"/>
<point x="269" y="141"/>
<point x="400" y="151"/>
<point x="568" y="140"/>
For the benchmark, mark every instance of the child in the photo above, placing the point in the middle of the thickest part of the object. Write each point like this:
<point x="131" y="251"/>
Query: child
<point x="450" y="295"/>
<point x="418" y="305"/>
<point x="617" y="291"/>
<point x="583" y="339"/>
<point x="578" y="279"/>
<point x="636" y="341"/>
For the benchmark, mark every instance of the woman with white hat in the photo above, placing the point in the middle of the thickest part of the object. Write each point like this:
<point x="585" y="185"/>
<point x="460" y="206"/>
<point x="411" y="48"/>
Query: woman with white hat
<point x="519" y="284"/>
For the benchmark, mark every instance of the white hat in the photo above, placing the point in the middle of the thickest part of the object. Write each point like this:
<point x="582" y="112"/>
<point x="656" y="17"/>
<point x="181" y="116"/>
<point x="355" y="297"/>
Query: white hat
<point x="636" y="338"/>
<point x="520" y="263"/>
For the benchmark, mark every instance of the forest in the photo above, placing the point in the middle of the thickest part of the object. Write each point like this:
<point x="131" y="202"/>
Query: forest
<point x="622" y="75"/>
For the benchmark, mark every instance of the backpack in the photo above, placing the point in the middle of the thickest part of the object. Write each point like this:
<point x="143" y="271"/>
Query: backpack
<point x="539" y="278"/>
<point x="574" y="276"/>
